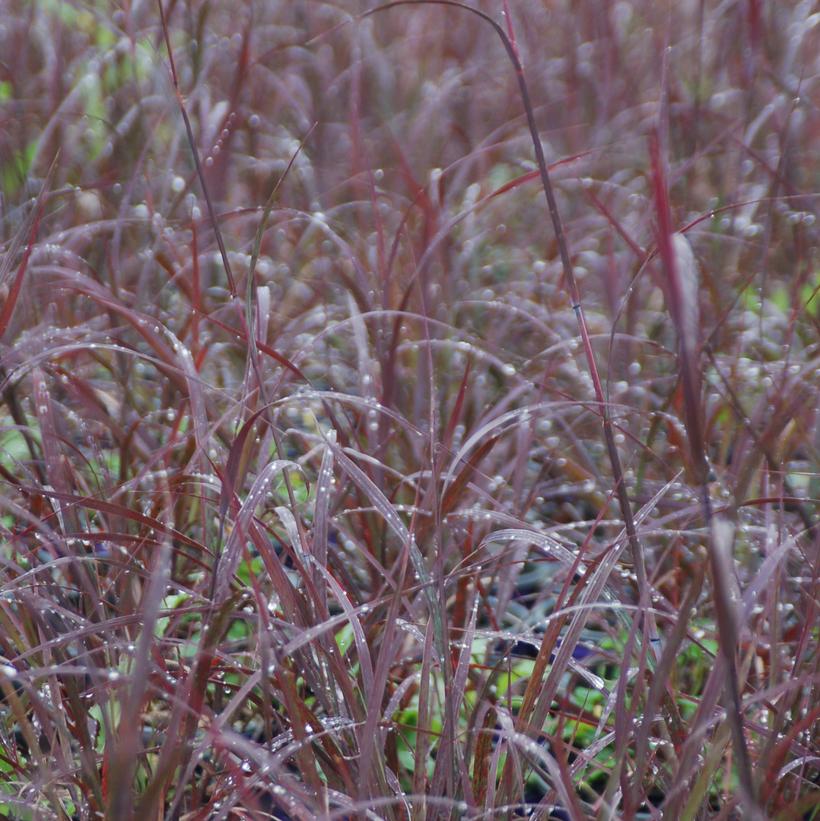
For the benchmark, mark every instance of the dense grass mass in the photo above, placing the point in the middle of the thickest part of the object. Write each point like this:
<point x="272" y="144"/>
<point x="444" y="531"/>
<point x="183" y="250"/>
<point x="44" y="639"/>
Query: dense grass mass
<point x="409" y="411"/>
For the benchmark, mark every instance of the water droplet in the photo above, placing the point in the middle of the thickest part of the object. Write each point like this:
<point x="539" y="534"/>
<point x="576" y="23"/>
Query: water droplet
<point x="8" y="670"/>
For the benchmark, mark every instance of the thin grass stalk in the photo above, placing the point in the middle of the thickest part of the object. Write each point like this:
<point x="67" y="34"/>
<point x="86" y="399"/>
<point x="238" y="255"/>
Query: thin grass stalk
<point x="31" y="229"/>
<point x="197" y="164"/>
<point x="679" y="296"/>
<point x="569" y="277"/>
<point x="575" y="295"/>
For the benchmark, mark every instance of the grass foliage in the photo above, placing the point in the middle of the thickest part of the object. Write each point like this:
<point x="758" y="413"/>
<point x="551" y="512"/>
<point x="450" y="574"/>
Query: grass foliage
<point x="409" y="411"/>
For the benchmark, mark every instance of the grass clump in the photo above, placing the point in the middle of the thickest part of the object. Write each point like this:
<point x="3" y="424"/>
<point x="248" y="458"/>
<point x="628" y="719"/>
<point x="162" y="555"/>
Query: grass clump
<point x="409" y="411"/>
